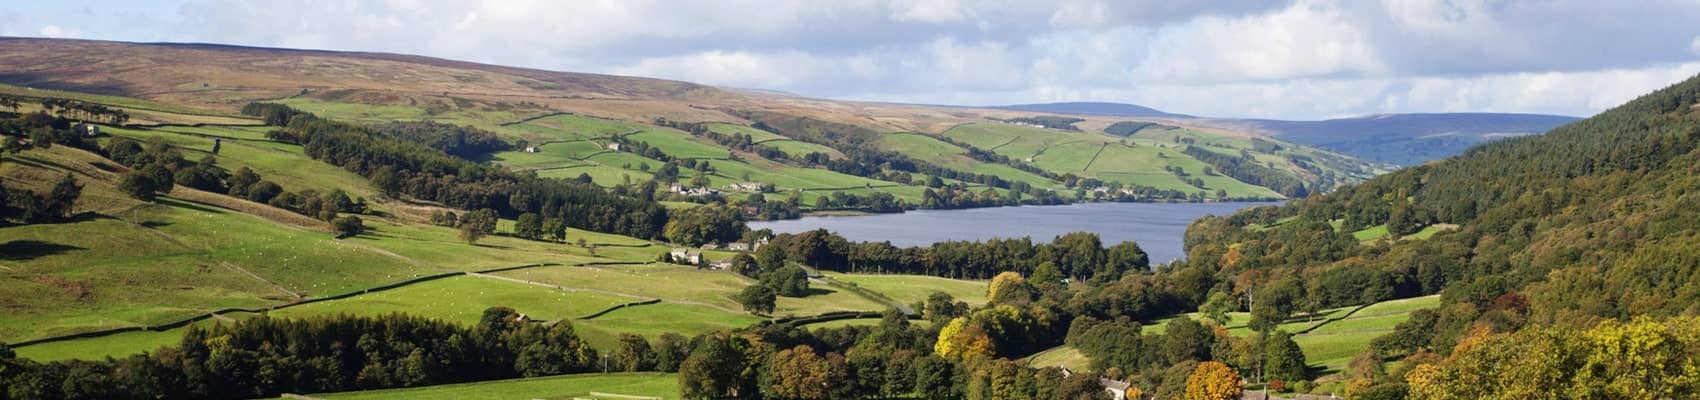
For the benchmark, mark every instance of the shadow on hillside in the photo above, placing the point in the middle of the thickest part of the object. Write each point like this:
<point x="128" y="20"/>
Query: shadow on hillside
<point x="18" y="250"/>
<point x="191" y="205"/>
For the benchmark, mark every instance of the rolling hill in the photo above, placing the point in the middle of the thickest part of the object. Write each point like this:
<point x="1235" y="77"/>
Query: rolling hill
<point x="570" y="120"/>
<point x="1401" y="139"/>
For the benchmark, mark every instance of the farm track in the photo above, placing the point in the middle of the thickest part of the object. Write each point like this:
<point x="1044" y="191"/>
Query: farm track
<point x="1095" y="157"/>
<point x="275" y="285"/>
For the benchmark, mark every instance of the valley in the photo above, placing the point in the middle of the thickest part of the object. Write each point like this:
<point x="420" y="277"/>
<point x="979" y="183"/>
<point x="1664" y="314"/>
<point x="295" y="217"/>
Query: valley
<point x="210" y="221"/>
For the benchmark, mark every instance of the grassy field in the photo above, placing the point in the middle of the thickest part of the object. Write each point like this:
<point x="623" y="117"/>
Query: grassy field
<point x="655" y="319"/>
<point x="1066" y="356"/>
<point x="579" y="386"/>
<point x="463" y="299"/>
<point x="909" y="289"/>
<point x="1139" y="160"/>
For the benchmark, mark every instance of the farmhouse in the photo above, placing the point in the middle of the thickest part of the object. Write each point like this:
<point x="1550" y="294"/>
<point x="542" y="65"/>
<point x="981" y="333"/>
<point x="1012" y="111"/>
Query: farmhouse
<point x="1117" y="389"/>
<point x="683" y="255"/>
<point x="87" y="130"/>
<point x="690" y="191"/>
<point x="738" y="246"/>
<point x="746" y="187"/>
<point x="531" y="149"/>
<point x="613" y="146"/>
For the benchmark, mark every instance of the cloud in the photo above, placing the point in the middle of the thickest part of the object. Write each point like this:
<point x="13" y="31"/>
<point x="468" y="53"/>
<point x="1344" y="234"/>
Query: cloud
<point x="1288" y="58"/>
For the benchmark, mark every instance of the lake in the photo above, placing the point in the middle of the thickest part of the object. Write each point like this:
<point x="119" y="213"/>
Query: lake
<point x="1158" y="227"/>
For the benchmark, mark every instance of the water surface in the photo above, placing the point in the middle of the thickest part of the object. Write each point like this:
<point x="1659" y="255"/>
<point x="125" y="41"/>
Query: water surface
<point x="1157" y="227"/>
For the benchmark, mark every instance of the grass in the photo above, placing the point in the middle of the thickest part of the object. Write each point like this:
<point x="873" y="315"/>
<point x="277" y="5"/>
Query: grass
<point x="99" y="348"/>
<point x="909" y="289"/>
<point x="650" y="384"/>
<point x="463" y="299"/>
<point x="1137" y="161"/>
<point x="1065" y="355"/>
<point x="655" y="319"/>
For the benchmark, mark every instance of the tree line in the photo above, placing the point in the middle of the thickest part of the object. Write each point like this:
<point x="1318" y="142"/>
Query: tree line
<point x="399" y="167"/>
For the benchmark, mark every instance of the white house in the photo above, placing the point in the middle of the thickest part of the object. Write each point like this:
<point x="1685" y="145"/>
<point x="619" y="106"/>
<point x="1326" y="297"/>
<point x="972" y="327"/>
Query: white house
<point x="615" y="146"/>
<point x="683" y="255"/>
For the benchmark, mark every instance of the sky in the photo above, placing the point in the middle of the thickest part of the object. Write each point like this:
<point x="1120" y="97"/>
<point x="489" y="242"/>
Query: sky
<point x="1305" y="59"/>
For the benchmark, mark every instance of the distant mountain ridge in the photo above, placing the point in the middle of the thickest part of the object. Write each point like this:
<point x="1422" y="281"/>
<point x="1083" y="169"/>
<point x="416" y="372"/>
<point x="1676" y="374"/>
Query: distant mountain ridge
<point x="1404" y="139"/>
<point x="1095" y="108"/>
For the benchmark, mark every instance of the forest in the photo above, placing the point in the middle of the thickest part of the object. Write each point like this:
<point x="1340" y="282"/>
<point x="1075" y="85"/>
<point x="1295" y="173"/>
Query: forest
<point x="1588" y="224"/>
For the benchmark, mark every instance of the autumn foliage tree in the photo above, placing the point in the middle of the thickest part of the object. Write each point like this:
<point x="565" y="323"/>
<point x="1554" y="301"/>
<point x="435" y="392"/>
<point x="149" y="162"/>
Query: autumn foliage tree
<point x="1213" y="380"/>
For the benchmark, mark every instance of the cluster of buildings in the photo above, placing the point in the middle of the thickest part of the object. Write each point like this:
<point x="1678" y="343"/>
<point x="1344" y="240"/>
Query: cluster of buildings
<point x="689" y="256"/>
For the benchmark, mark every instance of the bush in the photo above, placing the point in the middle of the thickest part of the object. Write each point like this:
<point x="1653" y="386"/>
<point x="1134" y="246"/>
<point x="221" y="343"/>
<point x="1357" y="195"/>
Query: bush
<point x="348" y="225"/>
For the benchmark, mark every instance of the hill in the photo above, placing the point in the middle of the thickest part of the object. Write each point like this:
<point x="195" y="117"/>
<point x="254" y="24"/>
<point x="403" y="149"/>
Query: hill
<point x="1555" y="233"/>
<point x="570" y="119"/>
<point x="1401" y="139"/>
<point x="1095" y="108"/>
<point x="1405" y="139"/>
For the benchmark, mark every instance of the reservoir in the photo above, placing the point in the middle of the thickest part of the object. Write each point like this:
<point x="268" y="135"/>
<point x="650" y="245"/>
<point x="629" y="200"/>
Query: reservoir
<point x="1157" y="227"/>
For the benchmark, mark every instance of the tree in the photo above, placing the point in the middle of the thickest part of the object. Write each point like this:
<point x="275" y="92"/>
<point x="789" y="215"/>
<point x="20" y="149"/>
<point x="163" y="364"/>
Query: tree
<point x="1273" y="304"/>
<point x="933" y="379"/>
<point x="798" y="373"/>
<point x="529" y="226"/>
<point x="962" y="339"/>
<point x="788" y="281"/>
<point x="477" y="224"/>
<point x="1126" y="256"/>
<point x="1282" y="357"/>
<point x="716" y="369"/>
<point x="1217" y="307"/>
<point x="670" y="350"/>
<point x="631" y="354"/>
<point x="263" y="191"/>
<point x="1010" y="288"/>
<point x="241" y="180"/>
<point x="555" y="229"/>
<point x="757" y="299"/>
<point x="63" y="197"/>
<point x="163" y="181"/>
<point x="1213" y="381"/>
<point x="136" y="185"/>
<point x="348" y="226"/>
<point x="1047" y="272"/>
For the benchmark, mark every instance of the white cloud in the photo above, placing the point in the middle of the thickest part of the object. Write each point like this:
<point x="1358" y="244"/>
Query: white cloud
<point x="931" y="11"/>
<point x="53" y="31"/>
<point x="1288" y="58"/>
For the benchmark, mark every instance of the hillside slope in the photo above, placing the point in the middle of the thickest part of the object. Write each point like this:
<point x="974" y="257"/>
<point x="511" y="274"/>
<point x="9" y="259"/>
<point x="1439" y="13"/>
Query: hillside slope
<point x="575" y="123"/>
<point x="1592" y="221"/>
<point x="1402" y="139"/>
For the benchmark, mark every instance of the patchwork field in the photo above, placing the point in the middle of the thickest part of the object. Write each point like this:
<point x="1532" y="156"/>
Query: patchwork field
<point x="910" y="289"/>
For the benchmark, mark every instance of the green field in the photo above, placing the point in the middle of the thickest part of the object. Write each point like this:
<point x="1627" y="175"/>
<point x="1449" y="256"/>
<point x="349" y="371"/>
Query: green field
<point x="1065" y="356"/>
<point x="463" y="299"/>
<point x="579" y="386"/>
<point x="909" y="289"/>
<point x="652" y="320"/>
